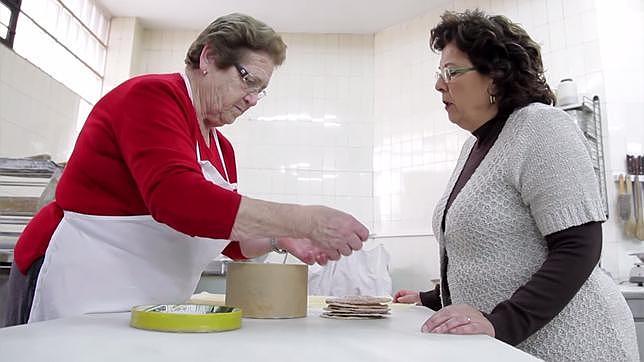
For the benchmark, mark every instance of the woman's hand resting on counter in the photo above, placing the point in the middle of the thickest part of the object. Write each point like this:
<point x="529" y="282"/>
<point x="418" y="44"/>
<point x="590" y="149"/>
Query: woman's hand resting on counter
<point x="458" y="319"/>
<point x="407" y="297"/>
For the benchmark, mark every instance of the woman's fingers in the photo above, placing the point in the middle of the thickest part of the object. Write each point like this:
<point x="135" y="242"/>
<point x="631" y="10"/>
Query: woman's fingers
<point x="333" y="254"/>
<point x="345" y="250"/>
<point x="469" y="328"/>
<point x="335" y="229"/>
<point x="398" y="294"/>
<point x="309" y="258"/>
<point x="436" y="320"/>
<point x="407" y="296"/>
<point x="355" y="243"/>
<point x="451" y="323"/>
<point x="458" y="319"/>
<point x="321" y="259"/>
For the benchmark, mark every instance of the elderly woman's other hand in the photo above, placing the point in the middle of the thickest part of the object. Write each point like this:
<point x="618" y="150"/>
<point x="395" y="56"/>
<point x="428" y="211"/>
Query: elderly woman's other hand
<point x="458" y="319"/>
<point x="334" y="230"/>
<point x="331" y="232"/>
<point x="407" y="297"/>
<point x="307" y="252"/>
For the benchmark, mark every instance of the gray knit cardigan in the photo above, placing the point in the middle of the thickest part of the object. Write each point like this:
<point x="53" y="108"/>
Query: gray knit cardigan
<point x="536" y="179"/>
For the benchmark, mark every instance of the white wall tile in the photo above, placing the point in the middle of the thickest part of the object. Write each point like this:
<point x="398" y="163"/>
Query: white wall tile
<point x="539" y="13"/>
<point x="555" y="9"/>
<point x="574" y="30"/>
<point x="573" y="7"/>
<point x="37" y="113"/>
<point x="124" y="33"/>
<point x="592" y="57"/>
<point x="588" y="26"/>
<point x="541" y="35"/>
<point x="557" y="35"/>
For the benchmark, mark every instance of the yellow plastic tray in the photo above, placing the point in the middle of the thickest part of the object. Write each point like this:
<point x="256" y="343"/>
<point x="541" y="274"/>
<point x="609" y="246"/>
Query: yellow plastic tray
<point x="186" y="318"/>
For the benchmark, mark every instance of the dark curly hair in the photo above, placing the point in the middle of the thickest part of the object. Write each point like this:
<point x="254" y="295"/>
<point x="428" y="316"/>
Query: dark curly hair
<point x="500" y="49"/>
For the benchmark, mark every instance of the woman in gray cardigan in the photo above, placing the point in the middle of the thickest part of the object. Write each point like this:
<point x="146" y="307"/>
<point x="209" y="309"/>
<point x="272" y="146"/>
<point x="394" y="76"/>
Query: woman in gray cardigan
<point x="519" y="225"/>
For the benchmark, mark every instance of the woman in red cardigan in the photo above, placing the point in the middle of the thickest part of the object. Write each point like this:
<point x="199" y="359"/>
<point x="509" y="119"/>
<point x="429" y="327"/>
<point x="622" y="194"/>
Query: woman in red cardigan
<point x="149" y="197"/>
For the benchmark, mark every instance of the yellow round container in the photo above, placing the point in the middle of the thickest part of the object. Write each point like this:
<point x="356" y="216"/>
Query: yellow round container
<point x="185" y="318"/>
<point x="268" y="290"/>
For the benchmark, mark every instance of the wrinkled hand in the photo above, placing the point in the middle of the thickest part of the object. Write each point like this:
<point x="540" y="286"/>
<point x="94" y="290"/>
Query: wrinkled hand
<point x="308" y="253"/>
<point x="407" y="296"/>
<point x="458" y="319"/>
<point x="334" y="230"/>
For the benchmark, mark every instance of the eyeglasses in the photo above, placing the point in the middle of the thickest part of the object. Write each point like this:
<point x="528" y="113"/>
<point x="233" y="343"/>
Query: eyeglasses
<point x="448" y="73"/>
<point x="252" y="84"/>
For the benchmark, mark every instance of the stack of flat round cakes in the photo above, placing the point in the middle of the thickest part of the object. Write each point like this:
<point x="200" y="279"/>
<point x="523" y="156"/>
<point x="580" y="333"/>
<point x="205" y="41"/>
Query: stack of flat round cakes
<point x="356" y="307"/>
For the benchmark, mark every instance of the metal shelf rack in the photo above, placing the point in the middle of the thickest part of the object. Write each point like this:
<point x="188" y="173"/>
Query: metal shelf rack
<point x="23" y="182"/>
<point x="587" y="115"/>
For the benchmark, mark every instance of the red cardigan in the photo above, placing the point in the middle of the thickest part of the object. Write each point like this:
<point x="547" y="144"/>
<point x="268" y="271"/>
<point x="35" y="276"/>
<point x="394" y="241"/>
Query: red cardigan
<point x="136" y="156"/>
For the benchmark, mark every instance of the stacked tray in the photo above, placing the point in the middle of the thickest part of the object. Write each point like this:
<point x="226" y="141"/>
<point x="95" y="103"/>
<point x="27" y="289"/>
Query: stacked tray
<point x="357" y="307"/>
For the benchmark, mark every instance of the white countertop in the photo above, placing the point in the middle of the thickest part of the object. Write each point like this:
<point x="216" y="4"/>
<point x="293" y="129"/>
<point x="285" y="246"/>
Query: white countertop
<point x="108" y="337"/>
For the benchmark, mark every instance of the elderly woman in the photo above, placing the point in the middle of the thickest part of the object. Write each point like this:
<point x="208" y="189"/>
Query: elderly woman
<point x="519" y="225"/>
<point x="149" y="197"/>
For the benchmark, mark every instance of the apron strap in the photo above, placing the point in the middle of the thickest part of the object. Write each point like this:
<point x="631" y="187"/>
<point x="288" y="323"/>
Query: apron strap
<point x="221" y="155"/>
<point x="216" y="137"/>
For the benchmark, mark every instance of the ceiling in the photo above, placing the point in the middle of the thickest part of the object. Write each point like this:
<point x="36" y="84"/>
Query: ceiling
<point x="285" y="16"/>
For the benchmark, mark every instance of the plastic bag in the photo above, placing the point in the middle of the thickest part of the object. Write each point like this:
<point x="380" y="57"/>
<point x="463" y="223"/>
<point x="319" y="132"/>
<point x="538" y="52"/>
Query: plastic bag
<point x="364" y="272"/>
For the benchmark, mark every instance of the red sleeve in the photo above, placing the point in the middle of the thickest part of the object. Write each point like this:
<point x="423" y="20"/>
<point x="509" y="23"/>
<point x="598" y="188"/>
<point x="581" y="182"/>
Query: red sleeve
<point x="35" y="237"/>
<point x="233" y="251"/>
<point x="157" y="138"/>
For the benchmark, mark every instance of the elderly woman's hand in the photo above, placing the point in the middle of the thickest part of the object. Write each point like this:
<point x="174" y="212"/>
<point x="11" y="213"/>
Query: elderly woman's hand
<point x="458" y="319"/>
<point x="334" y="230"/>
<point x="308" y="253"/>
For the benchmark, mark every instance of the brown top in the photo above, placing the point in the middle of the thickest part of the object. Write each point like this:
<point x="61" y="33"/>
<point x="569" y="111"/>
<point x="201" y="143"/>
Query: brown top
<point x="572" y="255"/>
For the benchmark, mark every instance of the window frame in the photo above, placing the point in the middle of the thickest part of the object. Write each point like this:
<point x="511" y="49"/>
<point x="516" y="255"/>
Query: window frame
<point x="14" y="7"/>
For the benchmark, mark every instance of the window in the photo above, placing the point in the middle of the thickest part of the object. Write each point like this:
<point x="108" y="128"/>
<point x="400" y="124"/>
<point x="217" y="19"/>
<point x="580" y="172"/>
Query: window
<point x="8" y="16"/>
<point x="67" y="39"/>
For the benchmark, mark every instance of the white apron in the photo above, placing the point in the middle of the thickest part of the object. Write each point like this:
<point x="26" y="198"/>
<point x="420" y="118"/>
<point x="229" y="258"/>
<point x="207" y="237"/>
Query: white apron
<point x="100" y="264"/>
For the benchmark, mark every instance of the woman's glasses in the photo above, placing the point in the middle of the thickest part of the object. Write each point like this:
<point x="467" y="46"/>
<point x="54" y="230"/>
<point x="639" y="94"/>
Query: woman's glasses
<point x="252" y="84"/>
<point x="448" y="73"/>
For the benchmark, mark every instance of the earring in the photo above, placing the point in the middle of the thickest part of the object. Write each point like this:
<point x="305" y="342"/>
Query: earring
<point x="492" y="99"/>
<point x="205" y="71"/>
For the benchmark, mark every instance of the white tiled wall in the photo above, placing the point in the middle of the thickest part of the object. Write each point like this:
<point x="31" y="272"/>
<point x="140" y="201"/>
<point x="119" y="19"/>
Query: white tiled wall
<point x="415" y="149"/>
<point x="125" y="41"/>
<point x="38" y="115"/>
<point x="415" y="145"/>
<point x="162" y="51"/>
<point x="310" y="140"/>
